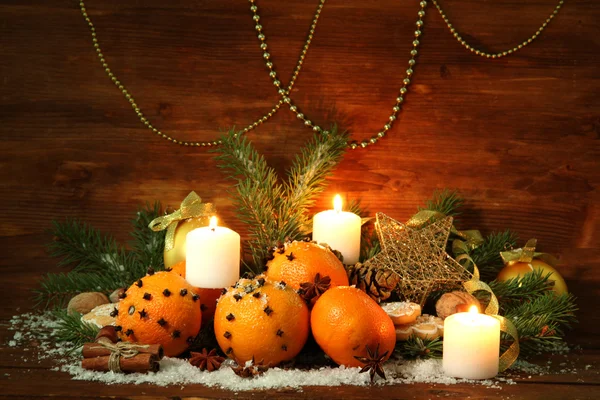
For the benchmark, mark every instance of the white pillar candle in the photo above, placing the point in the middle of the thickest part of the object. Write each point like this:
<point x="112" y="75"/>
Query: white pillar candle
<point x="471" y="345"/>
<point x="340" y="230"/>
<point x="212" y="256"/>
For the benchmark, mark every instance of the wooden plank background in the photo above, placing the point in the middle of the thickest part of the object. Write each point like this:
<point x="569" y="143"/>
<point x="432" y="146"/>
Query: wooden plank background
<point x="518" y="136"/>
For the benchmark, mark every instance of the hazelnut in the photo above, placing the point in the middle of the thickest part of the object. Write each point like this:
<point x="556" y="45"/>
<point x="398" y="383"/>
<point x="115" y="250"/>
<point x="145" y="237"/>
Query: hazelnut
<point x="83" y="303"/>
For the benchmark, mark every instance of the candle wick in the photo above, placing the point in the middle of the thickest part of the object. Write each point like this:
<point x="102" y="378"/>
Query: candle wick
<point x="212" y="229"/>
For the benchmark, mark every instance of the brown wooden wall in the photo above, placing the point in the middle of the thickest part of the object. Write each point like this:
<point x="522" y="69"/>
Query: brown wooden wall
<point x="518" y="136"/>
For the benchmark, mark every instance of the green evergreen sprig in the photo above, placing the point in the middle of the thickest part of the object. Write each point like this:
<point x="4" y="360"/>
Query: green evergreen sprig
<point x="447" y="202"/>
<point x="276" y="212"/>
<point x="415" y="347"/>
<point x="487" y="255"/>
<point x="520" y="290"/>
<point x="99" y="263"/>
<point x="72" y="329"/>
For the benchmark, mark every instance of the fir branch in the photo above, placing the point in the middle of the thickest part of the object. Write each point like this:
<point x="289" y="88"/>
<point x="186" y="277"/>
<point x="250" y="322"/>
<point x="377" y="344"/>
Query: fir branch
<point x="277" y="212"/>
<point x="542" y="322"/>
<point x="258" y="194"/>
<point x="306" y="179"/>
<point x="72" y="329"/>
<point x="147" y="245"/>
<point x="549" y="314"/>
<point x="58" y="289"/>
<point x="80" y="244"/>
<point x="415" y="347"/>
<point x="517" y="291"/>
<point x="446" y="202"/>
<point x="487" y="256"/>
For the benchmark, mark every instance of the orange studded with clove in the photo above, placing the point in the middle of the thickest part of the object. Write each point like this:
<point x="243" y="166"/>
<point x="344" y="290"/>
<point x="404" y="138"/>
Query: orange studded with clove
<point x="299" y="262"/>
<point x="161" y="308"/>
<point x="261" y="320"/>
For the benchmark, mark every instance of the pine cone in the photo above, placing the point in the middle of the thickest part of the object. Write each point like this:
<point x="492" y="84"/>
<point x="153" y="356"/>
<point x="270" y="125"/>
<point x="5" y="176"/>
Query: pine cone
<point x="377" y="283"/>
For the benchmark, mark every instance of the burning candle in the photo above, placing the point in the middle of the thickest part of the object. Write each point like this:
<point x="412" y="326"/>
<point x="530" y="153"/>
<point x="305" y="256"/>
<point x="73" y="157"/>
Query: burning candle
<point x="340" y="230"/>
<point x="471" y="345"/>
<point x="212" y="256"/>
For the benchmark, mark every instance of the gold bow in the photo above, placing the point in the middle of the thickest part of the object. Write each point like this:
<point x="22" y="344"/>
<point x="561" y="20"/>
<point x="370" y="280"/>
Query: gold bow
<point x="191" y="207"/>
<point x="510" y="355"/>
<point x="527" y="254"/>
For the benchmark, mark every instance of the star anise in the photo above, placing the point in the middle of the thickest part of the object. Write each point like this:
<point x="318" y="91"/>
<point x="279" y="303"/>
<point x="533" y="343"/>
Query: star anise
<point x="206" y="361"/>
<point x="311" y="291"/>
<point x="373" y="363"/>
<point x="251" y="370"/>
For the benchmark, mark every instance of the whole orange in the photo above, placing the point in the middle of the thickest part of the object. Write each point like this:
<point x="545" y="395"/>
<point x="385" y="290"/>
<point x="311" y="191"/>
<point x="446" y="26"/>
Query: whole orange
<point x="519" y="269"/>
<point x="208" y="297"/>
<point x="300" y="262"/>
<point x="160" y="309"/>
<point x="261" y="320"/>
<point x="345" y="320"/>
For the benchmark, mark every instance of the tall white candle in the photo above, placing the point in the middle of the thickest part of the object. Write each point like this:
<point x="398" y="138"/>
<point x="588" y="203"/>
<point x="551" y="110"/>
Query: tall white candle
<point x="340" y="230"/>
<point x="212" y="256"/>
<point x="471" y="345"/>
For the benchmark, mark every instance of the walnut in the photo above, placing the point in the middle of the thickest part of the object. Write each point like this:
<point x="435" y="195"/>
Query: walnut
<point x="83" y="303"/>
<point x="454" y="302"/>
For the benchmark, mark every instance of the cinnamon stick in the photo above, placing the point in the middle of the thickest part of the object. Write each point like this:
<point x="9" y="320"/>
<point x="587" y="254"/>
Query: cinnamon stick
<point x="91" y="350"/>
<point x="140" y="363"/>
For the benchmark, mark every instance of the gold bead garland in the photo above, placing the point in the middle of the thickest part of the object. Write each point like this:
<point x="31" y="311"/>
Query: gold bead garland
<point x="308" y="122"/>
<point x="501" y="53"/>
<point x="144" y="120"/>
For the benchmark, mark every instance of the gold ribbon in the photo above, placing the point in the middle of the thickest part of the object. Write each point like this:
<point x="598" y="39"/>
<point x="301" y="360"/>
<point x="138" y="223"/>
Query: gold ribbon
<point x="472" y="238"/>
<point x="527" y="254"/>
<point x="191" y="207"/>
<point x="512" y="353"/>
<point x="118" y="350"/>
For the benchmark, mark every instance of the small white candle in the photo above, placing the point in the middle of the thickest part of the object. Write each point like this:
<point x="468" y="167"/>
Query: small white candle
<point x="212" y="256"/>
<point x="471" y="345"/>
<point x="340" y="230"/>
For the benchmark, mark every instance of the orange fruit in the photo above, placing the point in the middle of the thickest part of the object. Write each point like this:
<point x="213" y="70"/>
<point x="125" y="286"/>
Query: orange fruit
<point x="261" y="320"/>
<point x="300" y="262"/>
<point x="160" y="309"/>
<point x="179" y="268"/>
<point x="345" y="320"/>
<point x="519" y="269"/>
<point x="208" y="297"/>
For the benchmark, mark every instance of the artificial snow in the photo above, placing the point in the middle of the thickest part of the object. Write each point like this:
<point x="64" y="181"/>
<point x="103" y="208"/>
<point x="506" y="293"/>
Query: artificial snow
<point x="173" y="371"/>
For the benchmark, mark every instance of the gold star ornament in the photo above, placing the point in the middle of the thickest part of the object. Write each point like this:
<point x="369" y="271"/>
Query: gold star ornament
<point x="418" y="257"/>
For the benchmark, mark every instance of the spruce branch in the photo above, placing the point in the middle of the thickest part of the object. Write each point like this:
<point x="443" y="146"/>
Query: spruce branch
<point x="276" y="212"/>
<point x="87" y="248"/>
<point x="58" y="289"/>
<point x="72" y="329"/>
<point x="445" y="201"/>
<point x="306" y="177"/>
<point x="487" y="256"/>
<point x="147" y="245"/>
<point x="415" y="347"/>
<point x="521" y="290"/>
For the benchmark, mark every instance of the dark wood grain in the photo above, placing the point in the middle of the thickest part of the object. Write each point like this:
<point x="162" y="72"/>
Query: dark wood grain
<point x="518" y="136"/>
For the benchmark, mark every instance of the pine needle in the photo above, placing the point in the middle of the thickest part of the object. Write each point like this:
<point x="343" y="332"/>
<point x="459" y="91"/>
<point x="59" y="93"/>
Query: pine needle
<point x="415" y="347"/>
<point x="148" y="245"/>
<point x="73" y="330"/>
<point x="487" y="256"/>
<point x="445" y="201"/>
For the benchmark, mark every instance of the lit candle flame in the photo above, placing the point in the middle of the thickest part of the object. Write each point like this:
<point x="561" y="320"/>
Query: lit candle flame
<point x="337" y="203"/>
<point x="213" y="222"/>
<point x="473" y="309"/>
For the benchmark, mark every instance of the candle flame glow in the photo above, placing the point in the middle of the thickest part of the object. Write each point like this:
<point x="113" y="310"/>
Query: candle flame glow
<point x="213" y="222"/>
<point x="473" y="309"/>
<point x="337" y="203"/>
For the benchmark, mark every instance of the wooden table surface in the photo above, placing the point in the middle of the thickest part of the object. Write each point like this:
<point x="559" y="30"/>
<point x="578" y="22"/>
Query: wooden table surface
<point x="518" y="137"/>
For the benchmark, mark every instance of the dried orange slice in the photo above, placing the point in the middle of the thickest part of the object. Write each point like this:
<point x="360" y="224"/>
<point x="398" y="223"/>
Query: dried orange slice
<point x="425" y="327"/>
<point x="402" y="312"/>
